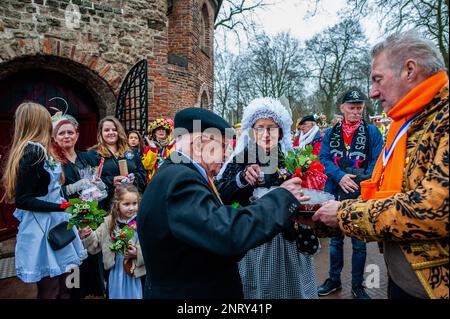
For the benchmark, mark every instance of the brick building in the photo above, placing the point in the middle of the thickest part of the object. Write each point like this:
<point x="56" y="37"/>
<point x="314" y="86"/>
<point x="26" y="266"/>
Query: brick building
<point x="136" y="59"/>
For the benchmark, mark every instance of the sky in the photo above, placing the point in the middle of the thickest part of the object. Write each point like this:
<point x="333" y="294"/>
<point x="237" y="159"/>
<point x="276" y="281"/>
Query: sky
<point x="291" y="15"/>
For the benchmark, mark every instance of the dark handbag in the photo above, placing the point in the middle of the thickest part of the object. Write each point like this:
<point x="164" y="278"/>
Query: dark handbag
<point x="59" y="236"/>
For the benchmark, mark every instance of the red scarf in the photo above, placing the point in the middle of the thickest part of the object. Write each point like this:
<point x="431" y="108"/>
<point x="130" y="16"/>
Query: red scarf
<point x="348" y="130"/>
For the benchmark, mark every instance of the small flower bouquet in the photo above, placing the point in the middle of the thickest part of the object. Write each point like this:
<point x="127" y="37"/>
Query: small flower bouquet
<point x="83" y="213"/>
<point x="121" y="239"/>
<point x="304" y="164"/>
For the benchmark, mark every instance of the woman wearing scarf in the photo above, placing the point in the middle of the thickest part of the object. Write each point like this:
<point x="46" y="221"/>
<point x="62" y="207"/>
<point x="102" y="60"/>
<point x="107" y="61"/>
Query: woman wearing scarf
<point x="308" y="134"/>
<point x="405" y="203"/>
<point x="276" y="269"/>
<point x="159" y="146"/>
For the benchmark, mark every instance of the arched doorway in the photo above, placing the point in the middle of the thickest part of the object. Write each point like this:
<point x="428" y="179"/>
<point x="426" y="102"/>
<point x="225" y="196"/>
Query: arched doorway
<point x="40" y="85"/>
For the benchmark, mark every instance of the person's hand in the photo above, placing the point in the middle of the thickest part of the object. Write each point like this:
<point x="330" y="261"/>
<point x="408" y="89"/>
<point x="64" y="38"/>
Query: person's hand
<point x="84" y="232"/>
<point x="294" y="186"/>
<point x="131" y="252"/>
<point x="77" y="186"/>
<point x="327" y="214"/>
<point x="99" y="184"/>
<point x="251" y="174"/>
<point x="118" y="180"/>
<point x="347" y="183"/>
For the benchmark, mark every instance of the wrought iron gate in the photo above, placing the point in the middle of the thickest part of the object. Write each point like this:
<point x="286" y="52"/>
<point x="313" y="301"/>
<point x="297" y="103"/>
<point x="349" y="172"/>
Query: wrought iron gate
<point x="132" y="102"/>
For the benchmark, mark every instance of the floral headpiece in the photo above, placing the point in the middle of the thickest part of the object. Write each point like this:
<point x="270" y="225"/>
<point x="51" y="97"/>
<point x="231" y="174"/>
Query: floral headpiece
<point x="159" y="123"/>
<point x="62" y="116"/>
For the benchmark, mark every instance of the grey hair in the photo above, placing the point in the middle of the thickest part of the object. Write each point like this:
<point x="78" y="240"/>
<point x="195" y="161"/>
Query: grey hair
<point x="400" y="47"/>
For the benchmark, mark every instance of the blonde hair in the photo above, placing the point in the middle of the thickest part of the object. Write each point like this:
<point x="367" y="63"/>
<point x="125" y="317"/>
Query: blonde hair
<point x="119" y="192"/>
<point x="122" y="142"/>
<point x="32" y="123"/>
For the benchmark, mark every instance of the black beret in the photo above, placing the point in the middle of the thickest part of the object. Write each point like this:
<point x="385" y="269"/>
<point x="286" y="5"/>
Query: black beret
<point x="207" y="119"/>
<point x="353" y="96"/>
<point x="306" y="119"/>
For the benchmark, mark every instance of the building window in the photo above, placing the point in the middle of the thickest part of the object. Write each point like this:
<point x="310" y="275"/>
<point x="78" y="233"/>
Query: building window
<point x="204" y="100"/>
<point x="205" y="31"/>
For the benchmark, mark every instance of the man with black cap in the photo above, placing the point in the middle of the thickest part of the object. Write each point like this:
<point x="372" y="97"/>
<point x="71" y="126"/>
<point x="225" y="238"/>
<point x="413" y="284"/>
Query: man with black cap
<point x="190" y="241"/>
<point x="349" y="152"/>
<point x="309" y="134"/>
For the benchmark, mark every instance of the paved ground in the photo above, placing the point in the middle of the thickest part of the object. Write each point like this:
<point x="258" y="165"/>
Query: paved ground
<point x="374" y="261"/>
<point x="13" y="288"/>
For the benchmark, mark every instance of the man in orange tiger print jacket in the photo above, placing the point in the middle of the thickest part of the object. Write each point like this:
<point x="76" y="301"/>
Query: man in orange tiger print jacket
<point x="405" y="205"/>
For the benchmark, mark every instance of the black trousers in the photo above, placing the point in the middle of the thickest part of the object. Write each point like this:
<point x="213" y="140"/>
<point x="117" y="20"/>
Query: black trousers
<point x="395" y="292"/>
<point x="53" y="288"/>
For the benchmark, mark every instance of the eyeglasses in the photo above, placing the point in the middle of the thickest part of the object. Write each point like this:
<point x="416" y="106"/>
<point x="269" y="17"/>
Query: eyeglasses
<point x="263" y="129"/>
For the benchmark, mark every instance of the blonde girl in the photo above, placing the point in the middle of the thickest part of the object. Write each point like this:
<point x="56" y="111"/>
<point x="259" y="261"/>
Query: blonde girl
<point x="125" y="272"/>
<point x="32" y="181"/>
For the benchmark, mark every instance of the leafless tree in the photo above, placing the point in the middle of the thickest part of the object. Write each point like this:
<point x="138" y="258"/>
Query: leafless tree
<point x="429" y="16"/>
<point x="337" y="59"/>
<point x="276" y="65"/>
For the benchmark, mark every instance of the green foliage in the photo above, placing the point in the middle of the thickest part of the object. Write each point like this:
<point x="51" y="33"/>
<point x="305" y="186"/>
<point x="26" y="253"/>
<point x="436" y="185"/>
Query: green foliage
<point x="84" y="214"/>
<point x="121" y="239"/>
<point x="235" y="205"/>
<point x="297" y="158"/>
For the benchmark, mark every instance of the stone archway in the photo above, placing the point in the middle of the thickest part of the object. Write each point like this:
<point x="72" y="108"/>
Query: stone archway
<point x="101" y="91"/>
<point x="39" y="78"/>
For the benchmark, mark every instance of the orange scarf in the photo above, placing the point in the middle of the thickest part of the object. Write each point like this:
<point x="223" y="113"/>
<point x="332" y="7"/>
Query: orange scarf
<point x="412" y="103"/>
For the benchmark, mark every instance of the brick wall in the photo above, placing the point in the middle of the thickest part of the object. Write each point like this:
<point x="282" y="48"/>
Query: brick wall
<point x="192" y="72"/>
<point x="106" y="39"/>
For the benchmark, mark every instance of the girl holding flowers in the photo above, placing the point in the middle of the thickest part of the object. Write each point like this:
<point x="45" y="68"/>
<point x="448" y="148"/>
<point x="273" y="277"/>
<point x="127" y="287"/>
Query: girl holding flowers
<point x="32" y="181"/>
<point x="117" y="239"/>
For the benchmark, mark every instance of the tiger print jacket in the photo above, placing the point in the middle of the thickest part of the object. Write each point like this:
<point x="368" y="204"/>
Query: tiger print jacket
<point x="418" y="217"/>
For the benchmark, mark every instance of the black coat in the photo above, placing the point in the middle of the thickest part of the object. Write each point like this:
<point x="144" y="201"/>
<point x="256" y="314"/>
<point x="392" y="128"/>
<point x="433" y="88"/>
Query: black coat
<point x="111" y="169"/>
<point x="71" y="171"/>
<point x="191" y="242"/>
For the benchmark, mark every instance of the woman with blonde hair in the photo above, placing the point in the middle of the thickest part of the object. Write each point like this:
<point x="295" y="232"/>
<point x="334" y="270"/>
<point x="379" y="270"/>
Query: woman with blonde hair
<point x="32" y="181"/>
<point x="112" y="145"/>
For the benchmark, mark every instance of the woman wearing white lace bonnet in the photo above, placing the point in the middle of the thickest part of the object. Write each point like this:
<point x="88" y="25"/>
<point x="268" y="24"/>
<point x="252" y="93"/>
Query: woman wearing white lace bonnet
<point x="276" y="269"/>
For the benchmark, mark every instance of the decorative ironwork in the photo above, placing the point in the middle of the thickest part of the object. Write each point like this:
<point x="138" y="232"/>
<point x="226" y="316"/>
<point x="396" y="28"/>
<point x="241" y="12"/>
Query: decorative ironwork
<point x="132" y="102"/>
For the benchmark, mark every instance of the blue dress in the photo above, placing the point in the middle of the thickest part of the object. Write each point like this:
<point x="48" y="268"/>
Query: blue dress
<point x="120" y="284"/>
<point x="35" y="258"/>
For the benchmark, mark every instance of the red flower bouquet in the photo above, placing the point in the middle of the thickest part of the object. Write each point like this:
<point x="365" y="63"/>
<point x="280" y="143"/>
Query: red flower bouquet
<point x="306" y="166"/>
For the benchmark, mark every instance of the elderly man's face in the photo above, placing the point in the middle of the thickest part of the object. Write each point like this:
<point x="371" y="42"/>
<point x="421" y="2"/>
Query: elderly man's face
<point x="213" y="152"/>
<point x="388" y="85"/>
<point x="353" y="112"/>
<point x="306" y="126"/>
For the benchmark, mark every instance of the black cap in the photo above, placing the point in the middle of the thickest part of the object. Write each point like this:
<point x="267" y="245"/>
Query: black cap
<point x="307" y="118"/>
<point x="353" y="96"/>
<point x="207" y="119"/>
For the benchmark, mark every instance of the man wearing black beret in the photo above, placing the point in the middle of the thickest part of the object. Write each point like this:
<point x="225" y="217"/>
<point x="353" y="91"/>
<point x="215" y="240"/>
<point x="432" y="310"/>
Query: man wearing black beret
<point x="190" y="241"/>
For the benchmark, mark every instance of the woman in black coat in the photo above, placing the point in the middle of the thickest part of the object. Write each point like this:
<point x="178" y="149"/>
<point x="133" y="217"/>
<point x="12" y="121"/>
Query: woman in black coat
<point x="112" y="145"/>
<point x="65" y="136"/>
